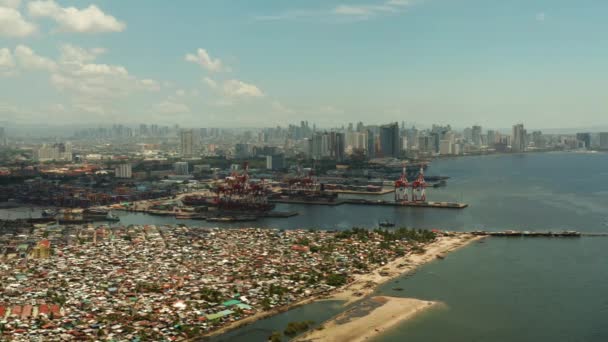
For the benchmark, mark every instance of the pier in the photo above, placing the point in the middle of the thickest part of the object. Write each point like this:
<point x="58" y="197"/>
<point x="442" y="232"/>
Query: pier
<point x="516" y="233"/>
<point x="359" y="201"/>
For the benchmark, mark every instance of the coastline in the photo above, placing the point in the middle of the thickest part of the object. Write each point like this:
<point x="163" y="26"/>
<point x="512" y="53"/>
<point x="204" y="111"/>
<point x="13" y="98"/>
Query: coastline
<point x="364" y="285"/>
<point x="380" y="314"/>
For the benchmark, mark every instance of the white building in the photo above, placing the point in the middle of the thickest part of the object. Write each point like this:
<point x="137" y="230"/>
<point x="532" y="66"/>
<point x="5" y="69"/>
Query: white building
<point x="186" y="137"/>
<point x="57" y="152"/>
<point x="445" y="147"/>
<point x="123" y="171"/>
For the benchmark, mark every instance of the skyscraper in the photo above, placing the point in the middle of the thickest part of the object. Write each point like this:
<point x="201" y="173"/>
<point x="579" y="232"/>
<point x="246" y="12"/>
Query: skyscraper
<point x="389" y="140"/>
<point x="518" y="141"/>
<point x="3" y="139"/>
<point x="186" y="142"/>
<point x="328" y="145"/>
<point x="476" y="135"/>
<point x="604" y="140"/>
<point x="336" y="146"/>
<point x="371" y="144"/>
<point x="584" y="140"/>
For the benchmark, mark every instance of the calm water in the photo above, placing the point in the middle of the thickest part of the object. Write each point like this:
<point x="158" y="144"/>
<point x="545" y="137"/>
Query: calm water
<point x="500" y="290"/>
<point x="531" y="192"/>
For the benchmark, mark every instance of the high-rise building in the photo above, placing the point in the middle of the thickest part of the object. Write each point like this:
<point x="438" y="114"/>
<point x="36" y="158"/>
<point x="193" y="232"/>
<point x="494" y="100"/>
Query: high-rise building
<point x="445" y="147"/>
<point x="412" y="138"/>
<point x="389" y="140"/>
<point x="336" y="146"/>
<point x="604" y="140"/>
<point x="58" y="152"/>
<point x="242" y="151"/>
<point x="476" y="135"/>
<point x="518" y="140"/>
<point x="181" y="168"/>
<point x="186" y="137"/>
<point x="491" y="140"/>
<point x="3" y="138"/>
<point x="371" y="144"/>
<point x="123" y="171"/>
<point x="275" y="162"/>
<point x="584" y="140"/>
<point x="538" y="139"/>
<point x="328" y="145"/>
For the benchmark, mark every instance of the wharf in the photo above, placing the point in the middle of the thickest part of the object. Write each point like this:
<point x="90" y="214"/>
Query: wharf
<point x="515" y="233"/>
<point x="309" y="202"/>
<point x="359" y="192"/>
<point x="360" y="201"/>
<point x="441" y="205"/>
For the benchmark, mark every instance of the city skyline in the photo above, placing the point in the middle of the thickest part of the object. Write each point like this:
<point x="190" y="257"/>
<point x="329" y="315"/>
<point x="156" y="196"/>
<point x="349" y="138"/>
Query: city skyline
<point x="330" y="62"/>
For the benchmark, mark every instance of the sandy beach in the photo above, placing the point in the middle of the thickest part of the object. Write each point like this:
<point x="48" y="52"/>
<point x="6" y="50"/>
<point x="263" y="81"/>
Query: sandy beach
<point x="368" y="319"/>
<point x="365" y="284"/>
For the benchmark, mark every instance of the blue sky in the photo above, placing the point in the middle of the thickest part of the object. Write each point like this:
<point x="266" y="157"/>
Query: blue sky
<point x="267" y="62"/>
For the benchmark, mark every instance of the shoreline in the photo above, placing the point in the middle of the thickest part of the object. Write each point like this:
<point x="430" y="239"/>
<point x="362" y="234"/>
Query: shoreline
<point x="364" y="285"/>
<point x="380" y="314"/>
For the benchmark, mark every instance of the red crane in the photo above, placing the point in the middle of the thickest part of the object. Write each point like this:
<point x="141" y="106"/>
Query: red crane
<point x="419" y="188"/>
<point x="402" y="188"/>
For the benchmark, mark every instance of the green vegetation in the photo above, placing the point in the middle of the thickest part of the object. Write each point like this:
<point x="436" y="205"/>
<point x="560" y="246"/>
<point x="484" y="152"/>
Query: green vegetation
<point x="335" y="279"/>
<point x="275" y="337"/>
<point x="294" y="328"/>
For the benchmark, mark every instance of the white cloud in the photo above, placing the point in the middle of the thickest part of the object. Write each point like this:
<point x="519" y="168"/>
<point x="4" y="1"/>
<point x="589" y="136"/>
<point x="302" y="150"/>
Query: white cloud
<point x="10" y="3"/>
<point x="345" y="12"/>
<point x="150" y="85"/>
<point x="236" y="88"/>
<point x="71" y="19"/>
<point x="210" y="82"/>
<point x="7" y="62"/>
<point x="71" y="54"/>
<point x="203" y="58"/>
<point x="29" y="60"/>
<point x="171" y="107"/>
<point x="540" y="16"/>
<point x="6" y="58"/>
<point x="12" y="24"/>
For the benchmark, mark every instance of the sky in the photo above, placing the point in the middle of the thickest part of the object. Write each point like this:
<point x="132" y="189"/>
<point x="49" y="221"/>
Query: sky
<point x="243" y="63"/>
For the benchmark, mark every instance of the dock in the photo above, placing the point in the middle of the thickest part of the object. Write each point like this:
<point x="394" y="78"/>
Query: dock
<point x="521" y="234"/>
<point x="360" y="201"/>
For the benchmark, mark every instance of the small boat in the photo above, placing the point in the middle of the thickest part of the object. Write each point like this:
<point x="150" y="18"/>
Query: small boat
<point x="49" y="213"/>
<point x="386" y="223"/>
<point x="111" y="218"/>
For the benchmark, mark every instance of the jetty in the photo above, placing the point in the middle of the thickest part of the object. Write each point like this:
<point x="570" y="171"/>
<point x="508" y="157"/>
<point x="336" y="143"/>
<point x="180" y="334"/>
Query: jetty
<point x="361" y="201"/>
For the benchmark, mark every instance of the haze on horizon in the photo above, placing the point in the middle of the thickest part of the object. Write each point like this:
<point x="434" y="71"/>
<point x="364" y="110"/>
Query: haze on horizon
<point x="254" y="64"/>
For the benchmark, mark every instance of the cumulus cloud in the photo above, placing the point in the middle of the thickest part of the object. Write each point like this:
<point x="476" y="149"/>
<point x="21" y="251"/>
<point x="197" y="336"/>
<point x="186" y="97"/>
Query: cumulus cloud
<point x="7" y="62"/>
<point x="6" y="58"/>
<point x="203" y="58"/>
<point x="234" y="88"/>
<point x="71" y="19"/>
<point x="75" y="55"/>
<point x="10" y="3"/>
<point x="12" y="23"/>
<point x="29" y="60"/>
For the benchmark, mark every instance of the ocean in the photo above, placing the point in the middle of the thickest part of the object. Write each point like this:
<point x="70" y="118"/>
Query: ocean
<point x="541" y="289"/>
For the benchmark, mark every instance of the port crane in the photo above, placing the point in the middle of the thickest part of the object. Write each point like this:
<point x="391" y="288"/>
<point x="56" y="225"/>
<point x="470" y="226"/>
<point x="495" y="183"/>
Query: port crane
<point x="415" y="190"/>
